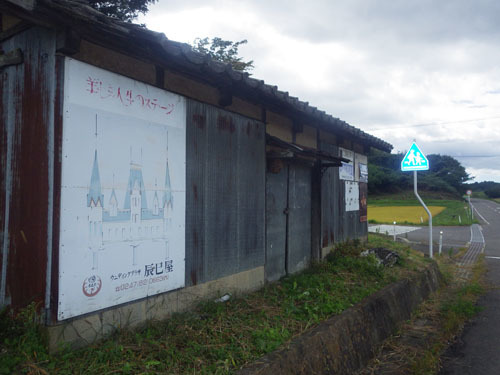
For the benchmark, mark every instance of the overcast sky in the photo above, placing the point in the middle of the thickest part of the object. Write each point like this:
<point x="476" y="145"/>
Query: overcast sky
<point x="398" y="69"/>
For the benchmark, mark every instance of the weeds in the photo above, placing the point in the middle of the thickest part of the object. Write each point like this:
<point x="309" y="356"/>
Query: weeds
<point x="217" y="338"/>
<point x="461" y="307"/>
<point x="23" y="344"/>
<point x="420" y="343"/>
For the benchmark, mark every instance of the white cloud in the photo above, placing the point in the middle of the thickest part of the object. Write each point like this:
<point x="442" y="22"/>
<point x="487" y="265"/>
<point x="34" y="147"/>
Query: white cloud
<point x="484" y="174"/>
<point x="377" y="64"/>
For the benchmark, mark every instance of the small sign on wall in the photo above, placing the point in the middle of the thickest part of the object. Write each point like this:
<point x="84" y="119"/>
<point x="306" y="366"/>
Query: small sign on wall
<point x="346" y="171"/>
<point x="363" y="172"/>
<point x="351" y="196"/>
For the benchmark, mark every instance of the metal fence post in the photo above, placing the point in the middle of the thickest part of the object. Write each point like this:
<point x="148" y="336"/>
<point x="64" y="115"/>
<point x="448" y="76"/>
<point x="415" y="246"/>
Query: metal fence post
<point x="426" y="209"/>
<point x="440" y="241"/>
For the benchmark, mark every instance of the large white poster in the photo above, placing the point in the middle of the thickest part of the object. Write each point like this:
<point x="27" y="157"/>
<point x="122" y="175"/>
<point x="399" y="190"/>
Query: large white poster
<point x="351" y="196"/>
<point x="122" y="220"/>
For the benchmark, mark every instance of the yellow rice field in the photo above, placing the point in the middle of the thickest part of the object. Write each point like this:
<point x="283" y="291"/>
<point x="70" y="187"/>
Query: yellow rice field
<point x="401" y="214"/>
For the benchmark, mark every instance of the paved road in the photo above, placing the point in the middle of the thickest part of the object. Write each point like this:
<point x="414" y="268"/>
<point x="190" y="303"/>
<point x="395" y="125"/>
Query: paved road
<point x="478" y="351"/>
<point x="454" y="238"/>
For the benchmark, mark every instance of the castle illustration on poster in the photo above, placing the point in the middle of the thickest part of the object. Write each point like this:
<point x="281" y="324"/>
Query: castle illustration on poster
<point x="133" y="221"/>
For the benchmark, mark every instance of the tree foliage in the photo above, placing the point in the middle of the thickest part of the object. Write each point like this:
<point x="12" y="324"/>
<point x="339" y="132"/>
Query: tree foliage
<point x="225" y="51"/>
<point x="490" y="188"/>
<point x="449" y="170"/>
<point x="125" y="10"/>
<point x="446" y="174"/>
<point x="483" y="186"/>
<point x="493" y="192"/>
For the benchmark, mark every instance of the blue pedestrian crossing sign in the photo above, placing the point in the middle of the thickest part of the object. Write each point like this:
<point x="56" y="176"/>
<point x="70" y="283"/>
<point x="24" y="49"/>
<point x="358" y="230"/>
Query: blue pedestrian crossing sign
<point x="414" y="160"/>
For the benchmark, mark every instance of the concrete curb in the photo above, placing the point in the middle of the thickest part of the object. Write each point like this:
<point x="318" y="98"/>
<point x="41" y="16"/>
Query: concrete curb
<point x="346" y="342"/>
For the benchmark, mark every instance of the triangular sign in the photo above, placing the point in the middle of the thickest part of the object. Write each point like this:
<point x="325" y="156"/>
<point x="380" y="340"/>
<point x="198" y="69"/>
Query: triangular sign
<point x="414" y="160"/>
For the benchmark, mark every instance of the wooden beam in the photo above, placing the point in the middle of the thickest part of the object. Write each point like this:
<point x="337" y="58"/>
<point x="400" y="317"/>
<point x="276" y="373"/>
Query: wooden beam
<point x="13" y="57"/>
<point x="68" y="42"/>
<point x="225" y="96"/>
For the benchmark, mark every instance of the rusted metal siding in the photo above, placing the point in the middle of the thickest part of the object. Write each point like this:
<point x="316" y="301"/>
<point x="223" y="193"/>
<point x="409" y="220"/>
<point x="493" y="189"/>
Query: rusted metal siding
<point x="225" y="193"/>
<point x="288" y="220"/>
<point x="250" y="187"/>
<point x="330" y="201"/>
<point x="6" y="134"/>
<point x="349" y="225"/>
<point x="363" y="223"/>
<point x="316" y="233"/>
<point x="53" y="276"/>
<point x="299" y="218"/>
<point x="276" y="222"/>
<point x="337" y="224"/>
<point x="26" y="171"/>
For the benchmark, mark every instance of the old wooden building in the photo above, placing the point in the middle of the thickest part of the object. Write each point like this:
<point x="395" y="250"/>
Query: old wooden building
<point x="138" y="176"/>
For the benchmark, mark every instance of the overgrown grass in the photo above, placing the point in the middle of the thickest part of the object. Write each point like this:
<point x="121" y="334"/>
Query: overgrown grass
<point x="22" y="340"/>
<point x="456" y="212"/>
<point x="418" y="346"/>
<point x="480" y="195"/>
<point x="217" y="338"/>
<point x="455" y="305"/>
<point x="461" y="307"/>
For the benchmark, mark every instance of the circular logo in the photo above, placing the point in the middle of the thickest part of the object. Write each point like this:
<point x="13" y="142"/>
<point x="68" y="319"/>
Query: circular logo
<point x="91" y="285"/>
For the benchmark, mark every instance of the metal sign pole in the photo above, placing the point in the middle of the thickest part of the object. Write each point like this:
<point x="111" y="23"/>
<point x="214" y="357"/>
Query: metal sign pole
<point x="426" y="209"/>
<point x="471" y="209"/>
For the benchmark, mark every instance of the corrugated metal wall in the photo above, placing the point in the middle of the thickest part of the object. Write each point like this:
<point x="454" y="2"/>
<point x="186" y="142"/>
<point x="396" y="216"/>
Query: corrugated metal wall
<point x="26" y="166"/>
<point x="337" y="224"/>
<point x="288" y="220"/>
<point x="225" y="220"/>
<point x="331" y="201"/>
<point x="349" y="227"/>
<point x="276" y="221"/>
<point x="299" y="218"/>
<point x="226" y="186"/>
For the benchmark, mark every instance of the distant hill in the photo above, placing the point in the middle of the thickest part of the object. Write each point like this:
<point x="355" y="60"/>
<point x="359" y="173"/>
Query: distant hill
<point x="489" y="188"/>
<point x="446" y="175"/>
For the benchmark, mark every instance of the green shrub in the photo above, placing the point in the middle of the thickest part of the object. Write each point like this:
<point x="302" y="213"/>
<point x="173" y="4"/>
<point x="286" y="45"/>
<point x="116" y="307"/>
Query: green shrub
<point x="22" y="338"/>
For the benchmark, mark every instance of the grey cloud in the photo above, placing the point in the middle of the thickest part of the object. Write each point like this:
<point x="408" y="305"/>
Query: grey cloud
<point x="410" y="54"/>
<point x="425" y="20"/>
<point x="426" y="32"/>
<point x="477" y="154"/>
<point x="429" y="21"/>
